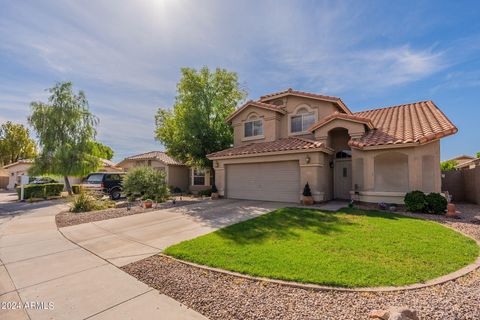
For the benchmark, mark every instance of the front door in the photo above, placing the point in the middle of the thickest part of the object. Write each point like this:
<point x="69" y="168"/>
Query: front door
<point x="342" y="179"/>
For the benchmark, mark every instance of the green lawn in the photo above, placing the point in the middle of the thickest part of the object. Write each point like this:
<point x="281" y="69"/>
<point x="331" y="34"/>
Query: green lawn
<point x="349" y="248"/>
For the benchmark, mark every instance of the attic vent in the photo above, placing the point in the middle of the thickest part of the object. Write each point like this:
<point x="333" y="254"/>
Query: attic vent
<point x="278" y="102"/>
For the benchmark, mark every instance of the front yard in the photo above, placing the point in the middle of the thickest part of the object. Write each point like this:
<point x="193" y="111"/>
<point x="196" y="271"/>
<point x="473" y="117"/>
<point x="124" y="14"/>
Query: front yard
<point x="349" y="248"/>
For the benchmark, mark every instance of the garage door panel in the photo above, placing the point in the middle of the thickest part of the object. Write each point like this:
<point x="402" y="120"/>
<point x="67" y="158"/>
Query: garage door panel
<point x="272" y="181"/>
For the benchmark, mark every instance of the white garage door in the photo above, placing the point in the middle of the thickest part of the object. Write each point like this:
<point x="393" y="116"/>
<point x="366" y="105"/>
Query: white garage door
<point x="272" y="181"/>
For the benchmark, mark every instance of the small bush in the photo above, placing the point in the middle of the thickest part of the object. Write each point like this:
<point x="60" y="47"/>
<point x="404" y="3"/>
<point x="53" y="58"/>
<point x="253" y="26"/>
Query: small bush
<point x="436" y="203"/>
<point x="205" y="193"/>
<point x="87" y="201"/>
<point x="146" y="182"/>
<point x="214" y="189"/>
<point x="306" y="191"/>
<point x="415" y="201"/>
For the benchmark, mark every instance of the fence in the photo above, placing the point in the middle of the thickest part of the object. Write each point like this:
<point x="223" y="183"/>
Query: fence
<point x="463" y="185"/>
<point x="3" y="182"/>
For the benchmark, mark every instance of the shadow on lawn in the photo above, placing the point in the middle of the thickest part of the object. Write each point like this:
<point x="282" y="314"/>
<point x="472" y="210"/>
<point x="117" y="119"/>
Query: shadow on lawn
<point x="284" y="224"/>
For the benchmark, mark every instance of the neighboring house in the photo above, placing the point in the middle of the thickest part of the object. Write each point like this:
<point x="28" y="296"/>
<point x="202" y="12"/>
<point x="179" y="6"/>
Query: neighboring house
<point x="462" y="159"/>
<point x="16" y="170"/>
<point x="20" y="168"/>
<point x="289" y="138"/>
<point x="177" y="174"/>
<point x="470" y="164"/>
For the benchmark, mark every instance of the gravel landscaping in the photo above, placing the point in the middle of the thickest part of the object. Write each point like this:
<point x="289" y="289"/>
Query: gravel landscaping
<point x="66" y="219"/>
<point x="221" y="296"/>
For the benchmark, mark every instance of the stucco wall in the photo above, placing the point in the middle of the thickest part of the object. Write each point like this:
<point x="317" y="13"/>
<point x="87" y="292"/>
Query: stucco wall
<point x="178" y="177"/>
<point x="276" y="125"/>
<point x="270" y="125"/>
<point x="463" y="185"/>
<point x="421" y="172"/>
<point x="15" y="171"/>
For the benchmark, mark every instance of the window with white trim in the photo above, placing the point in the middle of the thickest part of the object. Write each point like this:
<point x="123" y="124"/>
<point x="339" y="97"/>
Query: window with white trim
<point x="253" y="128"/>
<point x="301" y="121"/>
<point x="198" y="177"/>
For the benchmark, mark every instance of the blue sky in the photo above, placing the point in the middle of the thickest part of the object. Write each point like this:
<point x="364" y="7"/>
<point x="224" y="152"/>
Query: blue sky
<point x="126" y="56"/>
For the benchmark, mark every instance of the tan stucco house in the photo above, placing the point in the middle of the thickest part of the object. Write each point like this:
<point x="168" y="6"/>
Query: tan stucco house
<point x="289" y="138"/>
<point x="178" y="175"/>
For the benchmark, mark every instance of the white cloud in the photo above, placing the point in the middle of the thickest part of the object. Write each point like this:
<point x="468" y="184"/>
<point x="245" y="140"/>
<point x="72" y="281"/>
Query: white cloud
<point x="127" y="54"/>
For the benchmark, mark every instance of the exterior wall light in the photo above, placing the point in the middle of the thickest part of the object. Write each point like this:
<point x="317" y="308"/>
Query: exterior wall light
<point x="307" y="159"/>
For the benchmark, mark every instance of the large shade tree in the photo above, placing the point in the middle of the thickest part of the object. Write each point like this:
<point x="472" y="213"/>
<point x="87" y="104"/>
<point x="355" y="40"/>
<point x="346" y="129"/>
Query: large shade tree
<point x="66" y="131"/>
<point x="15" y="143"/>
<point x="196" y="124"/>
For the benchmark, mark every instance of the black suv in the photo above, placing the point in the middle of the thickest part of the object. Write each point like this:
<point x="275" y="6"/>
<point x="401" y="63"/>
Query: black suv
<point x="107" y="182"/>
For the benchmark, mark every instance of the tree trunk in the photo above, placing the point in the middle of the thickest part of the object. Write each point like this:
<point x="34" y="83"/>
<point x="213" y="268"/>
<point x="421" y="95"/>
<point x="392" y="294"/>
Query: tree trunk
<point x="67" y="185"/>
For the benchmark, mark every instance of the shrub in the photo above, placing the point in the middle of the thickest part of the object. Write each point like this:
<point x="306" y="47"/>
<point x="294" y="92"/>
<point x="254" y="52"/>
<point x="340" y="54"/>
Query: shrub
<point x="214" y="189"/>
<point x="306" y="191"/>
<point x="41" y="190"/>
<point x="146" y="182"/>
<point x="206" y="192"/>
<point x="53" y="189"/>
<point x="448" y="165"/>
<point x="436" y="203"/>
<point x="415" y="201"/>
<point x="87" y="201"/>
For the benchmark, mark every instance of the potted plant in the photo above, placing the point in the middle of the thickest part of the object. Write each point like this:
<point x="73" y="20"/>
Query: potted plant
<point x="147" y="203"/>
<point x="215" y="194"/>
<point x="307" y="195"/>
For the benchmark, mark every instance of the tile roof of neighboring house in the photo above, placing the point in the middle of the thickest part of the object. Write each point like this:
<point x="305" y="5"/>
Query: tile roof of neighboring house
<point x="462" y="156"/>
<point x="155" y="155"/>
<point x="258" y="104"/>
<point x="345" y="116"/>
<point x="290" y="91"/>
<point x="108" y="163"/>
<point x="418" y="122"/>
<point x="468" y="163"/>
<point x="25" y="161"/>
<point x="287" y="144"/>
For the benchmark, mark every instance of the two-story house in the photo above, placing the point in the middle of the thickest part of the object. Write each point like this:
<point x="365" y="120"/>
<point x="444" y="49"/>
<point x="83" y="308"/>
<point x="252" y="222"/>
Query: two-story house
<point x="289" y="138"/>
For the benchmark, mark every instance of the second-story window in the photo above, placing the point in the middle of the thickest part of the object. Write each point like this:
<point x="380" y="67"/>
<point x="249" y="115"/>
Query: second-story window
<point x="253" y="128"/>
<point x="301" y="121"/>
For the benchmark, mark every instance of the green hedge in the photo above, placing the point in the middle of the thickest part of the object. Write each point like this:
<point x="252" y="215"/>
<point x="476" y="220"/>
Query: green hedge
<point x="41" y="190"/>
<point x="417" y="201"/>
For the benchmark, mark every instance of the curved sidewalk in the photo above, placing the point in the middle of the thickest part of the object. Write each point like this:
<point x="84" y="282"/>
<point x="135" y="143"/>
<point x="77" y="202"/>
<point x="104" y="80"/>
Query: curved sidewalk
<point x="53" y="278"/>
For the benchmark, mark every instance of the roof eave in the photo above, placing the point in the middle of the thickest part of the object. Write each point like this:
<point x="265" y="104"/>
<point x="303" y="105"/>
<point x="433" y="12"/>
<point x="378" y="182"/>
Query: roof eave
<point x="250" y="103"/>
<point x="272" y="153"/>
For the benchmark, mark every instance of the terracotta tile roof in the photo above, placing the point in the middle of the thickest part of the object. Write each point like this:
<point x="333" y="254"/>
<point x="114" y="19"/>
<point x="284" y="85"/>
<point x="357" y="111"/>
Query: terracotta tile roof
<point x="418" y="122"/>
<point x="154" y="155"/>
<point x="345" y="116"/>
<point x="287" y="144"/>
<point x="258" y="104"/>
<point x="474" y="161"/>
<point x="290" y="91"/>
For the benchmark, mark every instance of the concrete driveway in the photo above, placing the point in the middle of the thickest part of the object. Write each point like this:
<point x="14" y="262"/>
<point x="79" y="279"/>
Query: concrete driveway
<point x="124" y="240"/>
<point x="43" y="275"/>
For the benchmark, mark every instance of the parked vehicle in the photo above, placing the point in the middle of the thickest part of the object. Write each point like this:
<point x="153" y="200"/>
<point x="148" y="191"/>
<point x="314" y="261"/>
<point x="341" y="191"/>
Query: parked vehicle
<point x="106" y="182"/>
<point x="42" y="180"/>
